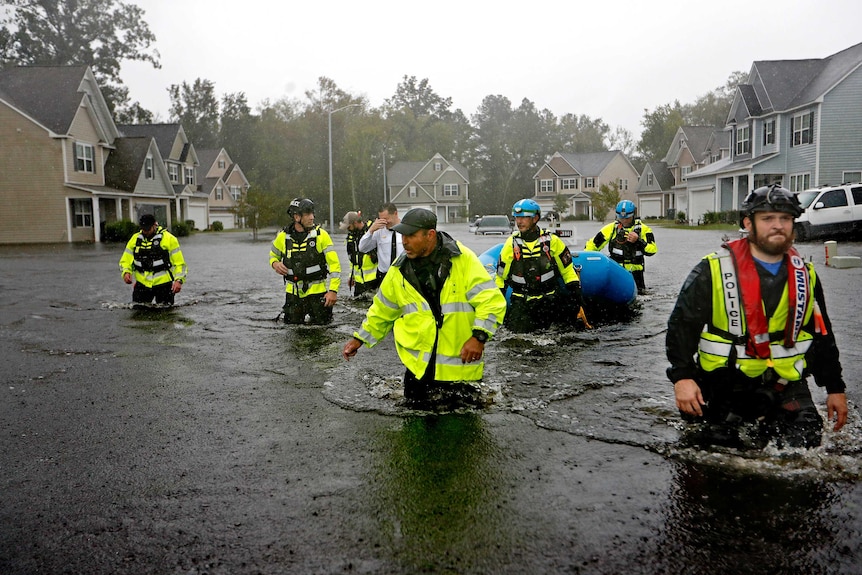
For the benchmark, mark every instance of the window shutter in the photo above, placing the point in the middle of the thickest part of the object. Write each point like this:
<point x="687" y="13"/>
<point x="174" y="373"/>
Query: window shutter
<point x="791" y="132"/>
<point x="810" y="127"/>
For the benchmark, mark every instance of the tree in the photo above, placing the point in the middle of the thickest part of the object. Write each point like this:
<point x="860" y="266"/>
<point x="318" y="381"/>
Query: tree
<point x="660" y="126"/>
<point x="96" y="33"/>
<point x="605" y="199"/>
<point x="196" y="108"/>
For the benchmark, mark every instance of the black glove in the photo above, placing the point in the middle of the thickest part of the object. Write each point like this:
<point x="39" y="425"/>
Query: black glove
<point x="575" y="291"/>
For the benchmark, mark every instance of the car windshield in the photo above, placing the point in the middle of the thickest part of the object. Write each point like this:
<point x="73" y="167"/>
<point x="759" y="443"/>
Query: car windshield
<point x="496" y="221"/>
<point x="805" y="198"/>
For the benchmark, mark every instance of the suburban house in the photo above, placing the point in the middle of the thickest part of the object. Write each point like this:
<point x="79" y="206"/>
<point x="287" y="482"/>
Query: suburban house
<point x="221" y="186"/>
<point x="437" y="184"/>
<point x="578" y="176"/>
<point x="692" y="148"/>
<point x="66" y="170"/>
<point x="180" y="160"/>
<point x="796" y="122"/>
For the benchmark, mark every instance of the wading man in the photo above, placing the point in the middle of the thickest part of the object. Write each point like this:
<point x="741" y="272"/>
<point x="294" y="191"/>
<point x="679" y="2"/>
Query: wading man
<point x="442" y="305"/>
<point x="749" y="326"/>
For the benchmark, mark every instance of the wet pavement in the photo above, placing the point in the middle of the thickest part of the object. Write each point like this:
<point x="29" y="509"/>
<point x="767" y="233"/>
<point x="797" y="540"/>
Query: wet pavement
<point x="210" y="438"/>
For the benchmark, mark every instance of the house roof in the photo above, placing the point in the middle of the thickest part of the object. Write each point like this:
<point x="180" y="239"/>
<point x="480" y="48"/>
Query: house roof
<point x="663" y="175"/>
<point x="123" y="168"/>
<point x="696" y="140"/>
<point x="402" y="172"/>
<point x="164" y="134"/>
<point x="787" y="84"/>
<point x="590" y="164"/>
<point x="49" y="94"/>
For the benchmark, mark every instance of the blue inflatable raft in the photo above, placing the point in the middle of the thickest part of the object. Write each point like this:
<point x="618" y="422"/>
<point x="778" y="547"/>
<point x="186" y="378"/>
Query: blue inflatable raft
<point x="602" y="279"/>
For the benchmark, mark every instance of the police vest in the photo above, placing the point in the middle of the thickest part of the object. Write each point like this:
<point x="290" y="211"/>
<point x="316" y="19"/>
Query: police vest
<point x="723" y="343"/>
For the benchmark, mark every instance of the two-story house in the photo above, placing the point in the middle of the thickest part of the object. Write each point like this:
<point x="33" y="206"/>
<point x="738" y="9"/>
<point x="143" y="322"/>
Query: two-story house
<point x="578" y="176"/>
<point x="180" y="160"/>
<point x="796" y="122"/>
<point x="659" y="184"/>
<point x="65" y="170"/>
<point x="438" y="184"/>
<point x="221" y="186"/>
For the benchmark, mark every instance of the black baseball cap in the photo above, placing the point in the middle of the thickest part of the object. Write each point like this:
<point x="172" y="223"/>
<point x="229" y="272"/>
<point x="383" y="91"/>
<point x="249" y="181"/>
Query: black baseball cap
<point x="147" y="221"/>
<point x="414" y="220"/>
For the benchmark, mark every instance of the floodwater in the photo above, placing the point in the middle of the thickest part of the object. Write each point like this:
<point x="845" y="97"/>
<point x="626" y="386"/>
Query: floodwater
<point x="211" y="438"/>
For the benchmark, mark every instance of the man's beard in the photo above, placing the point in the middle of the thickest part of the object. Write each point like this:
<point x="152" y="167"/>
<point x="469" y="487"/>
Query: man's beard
<point x="770" y="246"/>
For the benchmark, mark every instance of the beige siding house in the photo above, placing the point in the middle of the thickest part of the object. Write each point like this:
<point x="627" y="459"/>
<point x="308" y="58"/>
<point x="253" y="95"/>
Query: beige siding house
<point x="437" y="184"/>
<point x="576" y="177"/>
<point x="223" y="185"/>
<point x="62" y="156"/>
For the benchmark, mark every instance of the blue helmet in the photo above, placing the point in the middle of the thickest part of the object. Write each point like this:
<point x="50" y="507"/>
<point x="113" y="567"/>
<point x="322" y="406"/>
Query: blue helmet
<point x="625" y="209"/>
<point x="526" y="208"/>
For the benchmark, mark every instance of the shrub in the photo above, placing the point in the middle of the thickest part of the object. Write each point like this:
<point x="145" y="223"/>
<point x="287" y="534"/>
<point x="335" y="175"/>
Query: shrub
<point x="181" y="229"/>
<point x="120" y="231"/>
<point x="680" y="217"/>
<point x="191" y="224"/>
<point x="217" y="226"/>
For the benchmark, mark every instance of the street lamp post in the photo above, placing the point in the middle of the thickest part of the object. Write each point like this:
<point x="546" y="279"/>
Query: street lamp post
<point x="331" y="200"/>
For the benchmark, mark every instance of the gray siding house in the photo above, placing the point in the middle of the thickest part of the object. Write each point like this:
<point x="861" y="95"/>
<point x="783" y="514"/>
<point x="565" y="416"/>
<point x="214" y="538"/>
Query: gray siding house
<point x="795" y="122"/>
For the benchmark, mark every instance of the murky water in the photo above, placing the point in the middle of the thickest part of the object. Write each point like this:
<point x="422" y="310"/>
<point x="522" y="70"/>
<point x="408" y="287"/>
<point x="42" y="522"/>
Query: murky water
<point x="797" y="510"/>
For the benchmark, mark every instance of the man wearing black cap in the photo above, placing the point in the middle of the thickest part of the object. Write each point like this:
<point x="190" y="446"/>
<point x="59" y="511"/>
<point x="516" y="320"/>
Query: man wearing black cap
<point x="443" y="307"/>
<point x="154" y="262"/>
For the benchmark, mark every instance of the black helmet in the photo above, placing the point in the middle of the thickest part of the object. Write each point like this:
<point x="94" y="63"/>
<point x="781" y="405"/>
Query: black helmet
<point x="300" y="206"/>
<point x="772" y="198"/>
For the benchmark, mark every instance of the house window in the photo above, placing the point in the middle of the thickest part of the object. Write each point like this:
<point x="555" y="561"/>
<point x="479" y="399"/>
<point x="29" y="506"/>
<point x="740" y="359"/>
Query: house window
<point x="235" y="193"/>
<point x="82" y="213"/>
<point x="590" y="183"/>
<point x="768" y="132"/>
<point x="450" y="189"/>
<point x="148" y="168"/>
<point x="650" y="180"/>
<point x="714" y="158"/>
<point x="743" y="141"/>
<point x="438" y="166"/>
<point x="686" y="170"/>
<point x="190" y="175"/>
<point x="546" y="185"/>
<point x="852" y="177"/>
<point x="569" y="184"/>
<point x="219" y="193"/>
<point x="799" y="182"/>
<point x="221" y="163"/>
<point x="85" y="158"/>
<point x="412" y="192"/>
<point x="174" y="173"/>
<point x="624" y="184"/>
<point x="800" y="128"/>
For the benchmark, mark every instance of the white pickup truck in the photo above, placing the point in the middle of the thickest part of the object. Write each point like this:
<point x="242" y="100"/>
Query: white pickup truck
<point x="830" y="211"/>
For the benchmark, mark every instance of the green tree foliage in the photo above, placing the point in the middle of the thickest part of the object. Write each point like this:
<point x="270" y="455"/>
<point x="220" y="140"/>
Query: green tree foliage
<point x="97" y="33"/>
<point x="605" y="200"/>
<point x="196" y="108"/>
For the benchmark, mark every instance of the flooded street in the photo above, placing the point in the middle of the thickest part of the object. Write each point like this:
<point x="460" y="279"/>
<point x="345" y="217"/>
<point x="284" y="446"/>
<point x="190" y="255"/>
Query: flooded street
<point x="210" y="438"/>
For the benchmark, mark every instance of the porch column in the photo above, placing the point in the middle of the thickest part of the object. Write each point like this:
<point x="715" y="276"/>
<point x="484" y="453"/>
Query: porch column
<point x="97" y="220"/>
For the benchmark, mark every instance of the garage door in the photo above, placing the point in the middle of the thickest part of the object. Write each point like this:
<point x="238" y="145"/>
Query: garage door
<point x="650" y="209"/>
<point x="700" y="203"/>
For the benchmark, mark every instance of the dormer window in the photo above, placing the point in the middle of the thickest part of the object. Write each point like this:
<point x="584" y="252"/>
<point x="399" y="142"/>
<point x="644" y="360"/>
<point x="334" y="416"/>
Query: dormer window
<point x="148" y="168"/>
<point x="189" y="175"/>
<point x="768" y="132"/>
<point x="85" y="156"/>
<point x="174" y="173"/>
<point x="743" y="140"/>
<point x="438" y="166"/>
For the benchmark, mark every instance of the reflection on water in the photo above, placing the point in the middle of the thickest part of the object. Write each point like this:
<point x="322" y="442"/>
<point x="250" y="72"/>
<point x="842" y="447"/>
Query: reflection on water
<point x="721" y="520"/>
<point x="437" y="502"/>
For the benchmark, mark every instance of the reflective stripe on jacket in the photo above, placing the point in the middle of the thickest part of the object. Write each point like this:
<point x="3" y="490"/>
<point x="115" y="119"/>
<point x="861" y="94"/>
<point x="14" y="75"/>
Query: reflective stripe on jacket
<point x="469" y="300"/>
<point x="723" y="342"/>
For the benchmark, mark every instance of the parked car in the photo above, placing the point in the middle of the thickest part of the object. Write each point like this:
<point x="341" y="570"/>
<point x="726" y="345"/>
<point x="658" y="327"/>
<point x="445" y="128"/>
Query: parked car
<point x="494" y="225"/>
<point x="830" y="211"/>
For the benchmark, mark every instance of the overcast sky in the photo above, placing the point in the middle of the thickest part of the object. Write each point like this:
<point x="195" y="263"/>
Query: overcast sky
<point x="607" y="59"/>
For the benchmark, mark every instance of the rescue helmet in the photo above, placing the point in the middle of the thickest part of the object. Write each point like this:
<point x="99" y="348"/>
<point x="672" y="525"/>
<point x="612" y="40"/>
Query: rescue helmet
<point x="771" y="198"/>
<point x="625" y="209"/>
<point x="526" y="208"/>
<point x="300" y="206"/>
